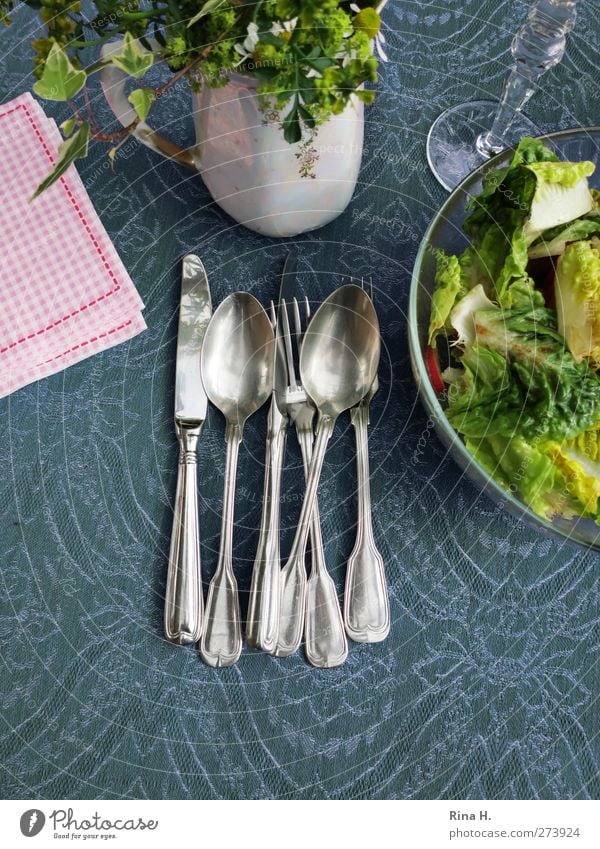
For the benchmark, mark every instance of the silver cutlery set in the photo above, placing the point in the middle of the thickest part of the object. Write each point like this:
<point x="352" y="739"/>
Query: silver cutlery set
<point x="239" y="358"/>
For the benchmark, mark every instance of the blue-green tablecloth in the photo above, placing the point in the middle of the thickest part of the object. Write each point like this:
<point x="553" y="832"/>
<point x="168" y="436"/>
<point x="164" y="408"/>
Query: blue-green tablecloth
<point x="487" y="686"/>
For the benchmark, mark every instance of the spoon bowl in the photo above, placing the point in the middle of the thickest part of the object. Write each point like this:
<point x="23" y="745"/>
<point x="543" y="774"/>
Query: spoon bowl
<point x="340" y="351"/>
<point x="238" y="358"/>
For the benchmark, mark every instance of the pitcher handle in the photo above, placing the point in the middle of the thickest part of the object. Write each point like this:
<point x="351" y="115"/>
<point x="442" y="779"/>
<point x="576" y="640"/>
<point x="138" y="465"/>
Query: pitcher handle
<point x="112" y="80"/>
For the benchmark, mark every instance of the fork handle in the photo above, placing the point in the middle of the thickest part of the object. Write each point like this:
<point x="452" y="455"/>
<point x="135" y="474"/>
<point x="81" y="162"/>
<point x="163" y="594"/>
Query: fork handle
<point x="183" y="593"/>
<point x="326" y="644"/>
<point x="263" y="606"/>
<point x="292" y="592"/>
<point x="366" y="605"/>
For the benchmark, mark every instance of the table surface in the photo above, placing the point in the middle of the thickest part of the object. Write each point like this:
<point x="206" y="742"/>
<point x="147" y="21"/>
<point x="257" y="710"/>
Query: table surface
<point x="487" y="686"/>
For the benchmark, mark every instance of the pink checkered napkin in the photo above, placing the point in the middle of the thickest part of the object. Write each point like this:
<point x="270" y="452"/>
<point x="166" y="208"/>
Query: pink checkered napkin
<point x="64" y="292"/>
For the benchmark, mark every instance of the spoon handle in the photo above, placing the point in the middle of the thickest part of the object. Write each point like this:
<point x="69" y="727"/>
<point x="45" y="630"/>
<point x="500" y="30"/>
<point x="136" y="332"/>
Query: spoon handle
<point x="293" y="576"/>
<point x="263" y="605"/>
<point x="326" y="644"/>
<point x="366" y="605"/>
<point x="221" y="643"/>
<point x="183" y="594"/>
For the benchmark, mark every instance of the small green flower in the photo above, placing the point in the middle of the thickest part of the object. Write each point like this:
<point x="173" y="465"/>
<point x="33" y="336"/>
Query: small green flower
<point x="368" y="21"/>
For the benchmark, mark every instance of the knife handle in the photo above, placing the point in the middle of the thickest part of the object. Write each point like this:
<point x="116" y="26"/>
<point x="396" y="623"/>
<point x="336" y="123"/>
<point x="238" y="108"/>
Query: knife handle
<point x="263" y="607"/>
<point x="183" y="595"/>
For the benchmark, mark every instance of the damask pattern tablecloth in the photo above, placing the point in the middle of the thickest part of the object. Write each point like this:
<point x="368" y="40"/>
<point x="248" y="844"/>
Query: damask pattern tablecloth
<point x="487" y="686"/>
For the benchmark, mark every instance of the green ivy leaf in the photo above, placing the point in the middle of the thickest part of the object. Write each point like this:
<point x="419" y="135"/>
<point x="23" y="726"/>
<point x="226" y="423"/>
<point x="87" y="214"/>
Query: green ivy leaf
<point x="209" y="6"/>
<point x="132" y="59"/>
<point x="60" y="80"/>
<point x="67" y="127"/>
<point x="142" y="99"/>
<point x="74" y="148"/>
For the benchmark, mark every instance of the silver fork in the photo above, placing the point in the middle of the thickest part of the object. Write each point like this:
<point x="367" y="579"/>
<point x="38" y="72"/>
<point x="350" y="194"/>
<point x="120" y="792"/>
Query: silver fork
<point x="313" y="604"/>
<point x="263" y="606"/>
<point x="366" y="604"/>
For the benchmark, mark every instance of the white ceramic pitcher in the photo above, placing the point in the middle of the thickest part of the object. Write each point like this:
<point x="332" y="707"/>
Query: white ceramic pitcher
<point x="264" y="183"/>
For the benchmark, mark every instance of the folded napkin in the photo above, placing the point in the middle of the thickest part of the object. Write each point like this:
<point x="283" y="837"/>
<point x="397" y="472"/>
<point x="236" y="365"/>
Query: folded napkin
<point x="64" y="292"/>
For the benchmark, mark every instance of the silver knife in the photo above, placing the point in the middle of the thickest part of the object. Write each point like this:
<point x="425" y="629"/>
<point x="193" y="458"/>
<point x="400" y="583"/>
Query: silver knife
<point x="263" y="606"/>
<point x="184" y="606"/>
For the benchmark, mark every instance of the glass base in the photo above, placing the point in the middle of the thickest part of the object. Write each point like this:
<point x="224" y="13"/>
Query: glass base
<point x="452" y="150"/>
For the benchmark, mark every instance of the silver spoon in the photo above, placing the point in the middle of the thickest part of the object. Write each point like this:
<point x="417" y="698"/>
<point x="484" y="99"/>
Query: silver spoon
<point x="338" y="363"/>
<point x="237" y="372"/>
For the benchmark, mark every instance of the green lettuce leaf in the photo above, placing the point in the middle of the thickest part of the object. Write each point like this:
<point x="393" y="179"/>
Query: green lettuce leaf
<point x="562" y="195"/>
<point x="528" y="151"/>
<point x="496" y="229"/>
<point x="520" y="380"/>
<point x="587" y="443"/>
<point x="522" y="468"/>
<point x="577" y="290"/>
<point x="485" y="400"/>
<point x="522" y="294"/>
<point x="583" y="472"/>
<point x="581" y="475"/>
<point x="449" y="287"/>
<point x="532" y="151"/>
<point x="534" y="193"/>
<point x="553" y="242"/>
<point x="462" y="317"/>
<point x="564" y="174"/>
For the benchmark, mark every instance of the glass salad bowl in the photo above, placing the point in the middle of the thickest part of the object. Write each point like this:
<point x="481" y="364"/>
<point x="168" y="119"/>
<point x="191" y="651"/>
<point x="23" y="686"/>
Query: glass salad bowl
<point x="446" y="232"/>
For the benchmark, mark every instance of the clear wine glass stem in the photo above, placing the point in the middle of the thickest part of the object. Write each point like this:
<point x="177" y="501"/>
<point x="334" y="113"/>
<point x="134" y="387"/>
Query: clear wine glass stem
<point x="538" y="46"/>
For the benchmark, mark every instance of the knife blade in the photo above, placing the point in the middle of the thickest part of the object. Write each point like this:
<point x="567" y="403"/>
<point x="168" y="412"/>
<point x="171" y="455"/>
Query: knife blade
<point x="184" y="605"/>
<point x="263" y="605"/>
<point x="195" y="310"/>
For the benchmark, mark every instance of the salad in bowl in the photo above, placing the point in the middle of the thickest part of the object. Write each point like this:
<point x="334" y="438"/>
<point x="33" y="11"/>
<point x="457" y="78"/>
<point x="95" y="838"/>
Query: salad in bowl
<point x="513" y="338"/>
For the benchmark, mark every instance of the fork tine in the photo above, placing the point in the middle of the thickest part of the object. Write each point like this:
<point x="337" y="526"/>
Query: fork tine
<point x="273" y="316"/>
<point x="307" y="310"/>
<point x="287" y="337"/>
<point x="297" y="321"/>
<point x="371" y="290"/>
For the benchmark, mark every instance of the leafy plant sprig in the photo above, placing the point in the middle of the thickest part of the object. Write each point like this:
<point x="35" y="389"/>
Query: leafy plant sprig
<point x="308" y="57"/>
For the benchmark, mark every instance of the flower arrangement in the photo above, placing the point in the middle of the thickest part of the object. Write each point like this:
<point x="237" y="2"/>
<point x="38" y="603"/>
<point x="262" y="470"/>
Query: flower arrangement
<point x="308" y="57"/>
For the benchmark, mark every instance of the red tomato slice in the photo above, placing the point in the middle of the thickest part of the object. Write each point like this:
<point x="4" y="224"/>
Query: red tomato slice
<point x="432" y="364"/>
